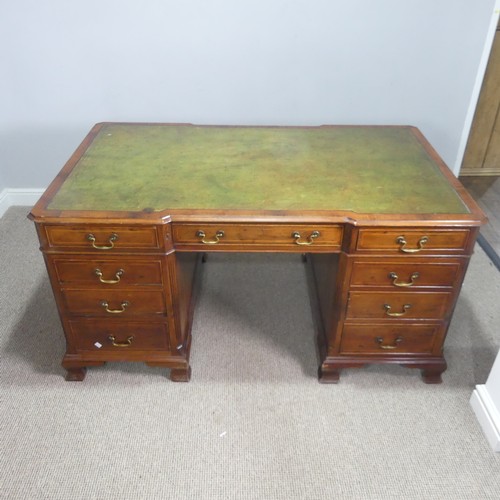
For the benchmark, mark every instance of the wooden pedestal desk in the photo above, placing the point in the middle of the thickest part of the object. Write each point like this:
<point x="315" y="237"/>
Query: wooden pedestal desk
<point x="387" y="230"/>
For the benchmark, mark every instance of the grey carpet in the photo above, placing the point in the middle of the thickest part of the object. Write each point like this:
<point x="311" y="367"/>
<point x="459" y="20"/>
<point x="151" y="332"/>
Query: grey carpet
<point x="253" y="423"/>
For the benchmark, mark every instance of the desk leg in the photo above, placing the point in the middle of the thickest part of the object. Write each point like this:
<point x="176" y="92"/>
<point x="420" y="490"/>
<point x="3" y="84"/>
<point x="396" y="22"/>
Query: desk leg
<point x="184" y="271"/>
<point x="77" y="369"/>
<point x="329" y="371"/>
<point x="431" y="371"/>
<point x="76" y="374"/>
<point x="180" y="374"/>
<point x="328" y="377"/>
<point x="322" y="271"/>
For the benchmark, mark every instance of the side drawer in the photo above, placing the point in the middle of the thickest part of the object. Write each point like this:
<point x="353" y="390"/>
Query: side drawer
<point x="384" y="340"/>
<point x="102" y="238"/>
<point x="403" y="273"/>
<point x="110" y="335"/>
<point x="286" y="237"/>
<point x="116" y="273"/>
<point x="114" y="303"/>
<point x="399" y="305"/>
<point x="411" y="241"/>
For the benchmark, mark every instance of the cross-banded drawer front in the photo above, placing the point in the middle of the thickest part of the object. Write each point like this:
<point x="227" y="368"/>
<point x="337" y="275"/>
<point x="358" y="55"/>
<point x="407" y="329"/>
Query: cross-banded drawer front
<point x="383" y="340"/>
<point x="117" y="303"/>
<point x="108" y="335"/>
<point x="402" y="273"/>
<point x="103" y="238"/>
<point x="398" y="305"/>
<point x="114" y="273"/>
<point x="284" y="237"/>
<point x="411" y="241"/>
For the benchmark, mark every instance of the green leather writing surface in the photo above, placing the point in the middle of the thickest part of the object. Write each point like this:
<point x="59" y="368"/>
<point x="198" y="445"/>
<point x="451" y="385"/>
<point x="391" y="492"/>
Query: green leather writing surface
<point x="132" y="167"/>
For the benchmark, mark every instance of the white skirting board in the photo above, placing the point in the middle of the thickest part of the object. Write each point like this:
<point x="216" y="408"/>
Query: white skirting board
<point x="22" y="197"/>
<point x="487" y="415"/>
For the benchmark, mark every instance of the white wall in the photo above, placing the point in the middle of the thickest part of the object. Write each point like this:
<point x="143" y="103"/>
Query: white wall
<point x="485" y="402"/>
<point x="3" y="184"/>
<point x="69" y="64"/>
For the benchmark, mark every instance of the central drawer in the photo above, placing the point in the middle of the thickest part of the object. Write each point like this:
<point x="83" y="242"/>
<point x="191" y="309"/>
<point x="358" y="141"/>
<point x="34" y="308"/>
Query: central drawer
<point x="284" y="237"/>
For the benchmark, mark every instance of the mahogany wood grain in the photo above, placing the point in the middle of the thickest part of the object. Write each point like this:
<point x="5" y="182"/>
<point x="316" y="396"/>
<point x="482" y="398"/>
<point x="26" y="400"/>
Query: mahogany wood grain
<point x="389" y="340"/>
<point x="270" y="237"/>
<point x="126" y="237"/>
<point x="91" y="302"/>
<point x="112" y="272"/>
<point x="404" y="273"/>
<point x="386" y="240"/>
<point x="409" y="305"/>
<point x="94" y="335"/>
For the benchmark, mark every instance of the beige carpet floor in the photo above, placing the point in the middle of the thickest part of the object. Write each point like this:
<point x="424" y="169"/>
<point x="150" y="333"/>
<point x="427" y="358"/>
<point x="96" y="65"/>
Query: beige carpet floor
<point x="253" y="423"/>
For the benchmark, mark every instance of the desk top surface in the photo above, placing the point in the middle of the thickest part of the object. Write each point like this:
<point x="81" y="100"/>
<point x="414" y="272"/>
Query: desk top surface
<point x="157" y="167"/>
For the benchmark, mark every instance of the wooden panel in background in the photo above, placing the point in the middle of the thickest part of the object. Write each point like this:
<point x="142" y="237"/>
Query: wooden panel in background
<point x="482" y="155"/>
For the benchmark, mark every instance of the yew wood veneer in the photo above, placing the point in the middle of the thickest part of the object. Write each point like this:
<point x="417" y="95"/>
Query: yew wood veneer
<point x="386" y="229"/>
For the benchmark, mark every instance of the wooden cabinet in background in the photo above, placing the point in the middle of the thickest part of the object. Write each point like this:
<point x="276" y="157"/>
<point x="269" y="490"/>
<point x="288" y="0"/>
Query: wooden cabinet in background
<point x="482" y="155"/>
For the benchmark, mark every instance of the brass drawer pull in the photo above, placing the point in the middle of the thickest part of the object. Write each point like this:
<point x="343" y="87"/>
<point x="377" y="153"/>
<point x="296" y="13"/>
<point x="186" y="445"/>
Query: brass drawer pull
<point x="395" y="345"/>
<point x="124" y="305"/>
<point x="387" y="308"/>
<point x="112" y="238"/>
<point x="420" y="244"/>
<point x="127" y="343"/>
<point x="395" y="281"/>
<point x="310" y="238"/>
<point x="201" y="234"/>
<point x="118" y="276"/>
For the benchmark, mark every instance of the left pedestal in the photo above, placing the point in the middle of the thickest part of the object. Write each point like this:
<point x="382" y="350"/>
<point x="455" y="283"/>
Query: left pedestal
<point x="114" y="287"/>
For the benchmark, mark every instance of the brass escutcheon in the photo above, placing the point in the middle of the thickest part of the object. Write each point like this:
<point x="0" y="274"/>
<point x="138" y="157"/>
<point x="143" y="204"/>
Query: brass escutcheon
<point x="123" y="305"/>
<point x="118" y="276"/>
<point x="310" y="238"/>
<point x="394" y="277"/>
<point x="112" y="238"/>
<point x="395" y="345"/>
<point x="420" y="244"/>
<point x="387" y="308"/>
<point x="201" y="234"/>
<point x="121" y="344"/>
